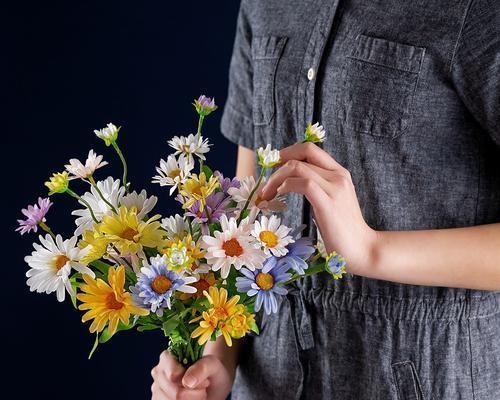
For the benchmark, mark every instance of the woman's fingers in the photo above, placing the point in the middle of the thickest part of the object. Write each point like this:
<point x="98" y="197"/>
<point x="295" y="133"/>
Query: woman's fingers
<point x="308" y="188"/>
<point x="310" y="153"/>
<point x="297" y="169"/>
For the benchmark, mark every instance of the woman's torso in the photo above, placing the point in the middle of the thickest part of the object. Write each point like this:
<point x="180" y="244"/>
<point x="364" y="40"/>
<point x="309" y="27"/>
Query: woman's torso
<point x="378" y="76"/>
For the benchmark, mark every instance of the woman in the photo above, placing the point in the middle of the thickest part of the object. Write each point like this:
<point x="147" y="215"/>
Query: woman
<point x="406" y="187"/>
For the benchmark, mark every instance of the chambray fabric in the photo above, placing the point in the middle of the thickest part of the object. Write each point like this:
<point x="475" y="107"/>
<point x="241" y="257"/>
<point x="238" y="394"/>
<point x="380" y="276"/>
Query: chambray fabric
<point x="409" y="94"/>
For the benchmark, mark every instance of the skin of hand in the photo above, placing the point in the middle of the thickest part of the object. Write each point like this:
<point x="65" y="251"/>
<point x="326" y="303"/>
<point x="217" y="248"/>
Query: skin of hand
<point x="457" y="257"/>
<point x="310" y="171"/>
<point x="207" y="379"/>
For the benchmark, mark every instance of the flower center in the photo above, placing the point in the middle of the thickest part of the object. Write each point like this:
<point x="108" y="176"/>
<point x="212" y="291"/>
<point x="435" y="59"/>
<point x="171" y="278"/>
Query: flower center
<point x="220" y="313"/>
<point x="269" y="238"/>
<point x="59" y="261"/>
<point x="129" y="234"/>
<point x="112" y="303"/>
<point x="264" y="280"/>
<point x="200" y="286"/>
<point x="175" y="173"/>
<point x="161" y="284"/>
<point x="185" y="148"/>
<point x="232" y="248"/>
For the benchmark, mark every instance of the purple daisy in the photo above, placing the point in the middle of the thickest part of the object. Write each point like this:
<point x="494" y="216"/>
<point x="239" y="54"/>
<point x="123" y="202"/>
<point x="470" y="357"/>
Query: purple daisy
<point x="34" y="215"/>
<point x="205" y="105"/>
<point x="264" y="283"/>
<point x="226" y="183"/>
<point x="217" y="205"/>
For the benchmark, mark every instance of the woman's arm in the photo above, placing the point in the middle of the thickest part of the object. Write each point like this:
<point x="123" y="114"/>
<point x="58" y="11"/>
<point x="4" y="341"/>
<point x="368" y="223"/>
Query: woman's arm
<point x="461" y="257"/>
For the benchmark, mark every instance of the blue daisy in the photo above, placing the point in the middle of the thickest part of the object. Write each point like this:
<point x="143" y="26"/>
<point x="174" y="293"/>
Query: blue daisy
<point x="264" y="283"/>
<point x="156" y="284"/>
<point x="298" y="252"/>
<point x="335" y="265"/>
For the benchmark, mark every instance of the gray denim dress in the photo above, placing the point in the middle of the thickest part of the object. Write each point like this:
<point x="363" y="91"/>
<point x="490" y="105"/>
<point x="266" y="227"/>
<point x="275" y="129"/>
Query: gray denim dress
<point x="409" y="93"/>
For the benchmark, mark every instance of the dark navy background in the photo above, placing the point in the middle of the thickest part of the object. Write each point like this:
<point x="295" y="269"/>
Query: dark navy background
<point x="71" y="68"/>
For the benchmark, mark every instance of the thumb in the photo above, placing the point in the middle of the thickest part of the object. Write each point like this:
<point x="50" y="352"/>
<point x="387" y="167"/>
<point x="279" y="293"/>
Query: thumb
<point x="198" y="375"/>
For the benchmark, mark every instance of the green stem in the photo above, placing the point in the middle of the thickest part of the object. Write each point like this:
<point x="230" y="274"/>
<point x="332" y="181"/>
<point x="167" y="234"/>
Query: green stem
<point x="73" y="194"/>
<point x="94" y="185"/>
<point x="310" y="271"/>
<point x="198" y="136"/>
<point x="245" y="207"/>
<point x="124" y="163"/>
<point x="46" y="228"/>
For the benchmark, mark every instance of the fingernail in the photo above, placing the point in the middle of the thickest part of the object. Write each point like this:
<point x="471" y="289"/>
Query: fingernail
<point x="190" y="381"/>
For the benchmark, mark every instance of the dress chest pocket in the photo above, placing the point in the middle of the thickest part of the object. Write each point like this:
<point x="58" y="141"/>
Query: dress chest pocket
<point x="266" y="53"/>
<point x="378" y="83"/>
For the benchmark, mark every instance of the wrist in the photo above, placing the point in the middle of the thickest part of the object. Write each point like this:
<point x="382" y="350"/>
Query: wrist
<point x="228" y="356"/>
<point x="368" y="264"/>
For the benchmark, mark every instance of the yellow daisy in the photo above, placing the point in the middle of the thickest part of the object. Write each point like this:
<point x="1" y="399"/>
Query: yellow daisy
<point x="98" y="245"/>
<point x="215" y="318"/>
<point x="129" y="234"/>
<point x="241" y="322"/>
<point x="58" y="183"/>
<point x="107" y="302"/>
<point x="197" y="188"/>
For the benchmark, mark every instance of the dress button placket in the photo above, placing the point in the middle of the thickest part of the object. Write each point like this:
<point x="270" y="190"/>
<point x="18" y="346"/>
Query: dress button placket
<point x="312" y="59"/>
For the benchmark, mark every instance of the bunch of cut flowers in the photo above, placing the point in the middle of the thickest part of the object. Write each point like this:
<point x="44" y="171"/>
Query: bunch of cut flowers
<point x="196" y="275"/>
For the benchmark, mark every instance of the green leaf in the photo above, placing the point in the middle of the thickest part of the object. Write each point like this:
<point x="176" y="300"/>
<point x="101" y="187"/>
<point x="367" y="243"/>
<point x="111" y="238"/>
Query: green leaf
<point x="232" y="204"/>
<point x="74" y="285"/>
<point x="150" y="251"/>
<point x="94" y="347"/>
<point x="105" y="335"/>
<point x="169" y="325"/>
<point x="213" y="228"/>
<point x="147" y="327"/>
<point x="255" y="328"/>
<point x="101" y="266"/>
<point x="208" y="172"/>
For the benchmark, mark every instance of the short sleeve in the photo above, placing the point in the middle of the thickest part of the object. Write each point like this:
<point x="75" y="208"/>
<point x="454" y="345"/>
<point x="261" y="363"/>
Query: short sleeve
<point x="476" y="65"/>
<point x="237" y="122"/>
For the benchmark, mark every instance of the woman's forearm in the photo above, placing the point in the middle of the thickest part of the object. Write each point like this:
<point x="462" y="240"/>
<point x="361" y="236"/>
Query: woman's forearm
<point x="460" y="257"/>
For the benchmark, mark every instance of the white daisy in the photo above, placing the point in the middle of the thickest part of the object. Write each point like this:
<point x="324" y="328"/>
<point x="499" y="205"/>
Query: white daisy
<point x="176" y="227"/>
<point x="268" y="157"/>
<point x="232" y="246"/>
<point x="189" y="145"/>
<point x="78" y="170"/>
<point x="109" y="134"/>
<point x="272" y="236"/>
<point x="173" y="172"/>
<point x="315" y="133"/>
<point x="242" y="193"/>
<point x="111" y="190"/>
<point x="51" y="265"/>
<point x="142" y="203"/>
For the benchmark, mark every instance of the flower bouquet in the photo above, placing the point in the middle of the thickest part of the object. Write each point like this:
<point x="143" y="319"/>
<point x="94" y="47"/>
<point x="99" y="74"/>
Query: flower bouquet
<point x="195" y="276"/>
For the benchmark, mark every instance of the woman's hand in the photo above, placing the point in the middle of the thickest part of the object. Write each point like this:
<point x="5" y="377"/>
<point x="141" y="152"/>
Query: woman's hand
<point x="309" y="170"/>
<point x="206" y="379"/>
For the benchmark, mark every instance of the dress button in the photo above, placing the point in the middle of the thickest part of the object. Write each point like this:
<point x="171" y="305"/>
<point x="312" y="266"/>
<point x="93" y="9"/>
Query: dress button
<point x="310" y="74"/>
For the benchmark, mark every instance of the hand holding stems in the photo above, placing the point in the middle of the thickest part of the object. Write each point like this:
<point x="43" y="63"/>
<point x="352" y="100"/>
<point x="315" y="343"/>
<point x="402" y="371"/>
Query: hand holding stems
<point x="208" y="378"/>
